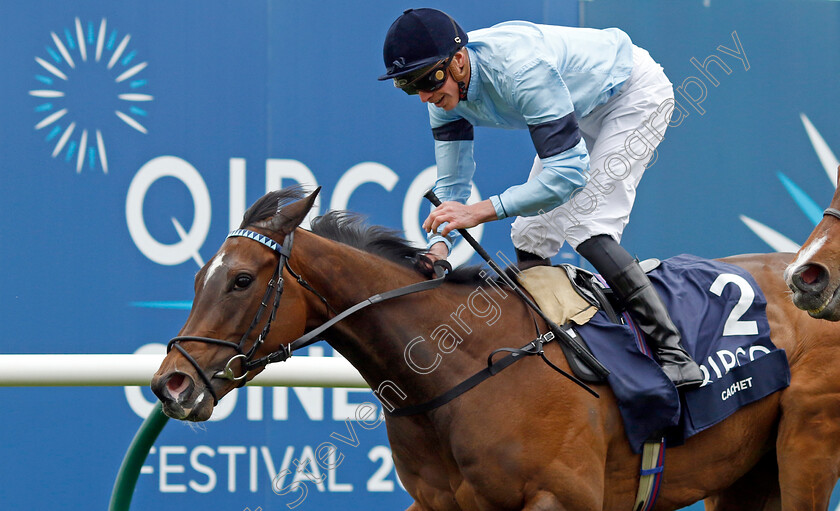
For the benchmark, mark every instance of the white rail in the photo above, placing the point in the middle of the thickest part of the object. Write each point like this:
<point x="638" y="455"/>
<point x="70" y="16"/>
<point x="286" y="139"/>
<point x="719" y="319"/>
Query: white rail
<point x="127" y="370"/>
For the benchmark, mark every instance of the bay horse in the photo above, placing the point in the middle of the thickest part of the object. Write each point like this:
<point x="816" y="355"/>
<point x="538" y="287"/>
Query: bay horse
<point x="814" y="275"/>
<point x="525" y="439"/>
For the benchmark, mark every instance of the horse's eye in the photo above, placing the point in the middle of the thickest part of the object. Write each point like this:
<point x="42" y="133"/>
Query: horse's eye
<point x="242" y="281"/>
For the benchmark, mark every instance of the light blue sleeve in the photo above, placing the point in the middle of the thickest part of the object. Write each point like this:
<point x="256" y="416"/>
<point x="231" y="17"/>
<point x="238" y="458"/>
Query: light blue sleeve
<point x="562" y="174"/>
<point x="540" y="95"/>
<point x="455" y="169"/>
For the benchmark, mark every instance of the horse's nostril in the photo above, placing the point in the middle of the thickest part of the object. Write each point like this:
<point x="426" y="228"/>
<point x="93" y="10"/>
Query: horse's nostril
<point x="811" y="275"/>
<point x="177" y="383"/>
<point x="810" y="278"/>
<point x="177" y="386"/>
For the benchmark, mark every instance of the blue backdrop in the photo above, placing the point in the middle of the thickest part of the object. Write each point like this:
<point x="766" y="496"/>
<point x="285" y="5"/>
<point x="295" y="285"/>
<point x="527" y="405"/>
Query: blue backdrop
<point x="134" y="134"/>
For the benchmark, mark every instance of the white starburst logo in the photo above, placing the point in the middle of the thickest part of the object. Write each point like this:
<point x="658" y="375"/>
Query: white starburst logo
<point x="809" y="206"/>
<point x="82" y="98"/>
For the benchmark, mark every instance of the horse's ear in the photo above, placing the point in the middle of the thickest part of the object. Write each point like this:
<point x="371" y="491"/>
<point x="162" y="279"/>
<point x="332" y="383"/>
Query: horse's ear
<point x="290" y="216"/>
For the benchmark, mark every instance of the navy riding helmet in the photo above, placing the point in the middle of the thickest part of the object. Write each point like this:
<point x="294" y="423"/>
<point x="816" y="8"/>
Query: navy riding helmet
<point x="419" y="42"/>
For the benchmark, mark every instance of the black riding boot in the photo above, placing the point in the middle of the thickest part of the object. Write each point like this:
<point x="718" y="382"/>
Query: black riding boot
<point x="645" y="306"/>
<point x="525" y="260"/>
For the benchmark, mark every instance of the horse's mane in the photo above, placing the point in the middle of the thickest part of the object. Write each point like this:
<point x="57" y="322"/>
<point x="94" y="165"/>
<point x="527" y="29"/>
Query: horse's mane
<point x="353" y="229"/>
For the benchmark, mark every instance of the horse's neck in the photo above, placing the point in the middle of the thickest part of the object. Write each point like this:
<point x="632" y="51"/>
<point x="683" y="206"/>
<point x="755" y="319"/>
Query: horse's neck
<point x="444" y="331"/>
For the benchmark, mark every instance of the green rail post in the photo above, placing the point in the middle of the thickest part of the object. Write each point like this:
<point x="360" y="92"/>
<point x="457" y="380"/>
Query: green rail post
<point x="134" y="458"/>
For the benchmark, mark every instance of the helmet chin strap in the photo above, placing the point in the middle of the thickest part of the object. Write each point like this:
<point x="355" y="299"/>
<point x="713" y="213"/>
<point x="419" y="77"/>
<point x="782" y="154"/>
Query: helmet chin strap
<point x="462" y="91"/>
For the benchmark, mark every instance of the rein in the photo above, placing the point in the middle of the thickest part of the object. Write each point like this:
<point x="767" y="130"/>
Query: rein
<point x="247" y="359"/>
<point x="585" y="356"/>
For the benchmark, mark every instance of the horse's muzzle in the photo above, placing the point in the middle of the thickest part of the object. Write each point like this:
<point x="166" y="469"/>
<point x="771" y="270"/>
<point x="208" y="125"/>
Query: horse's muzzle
<point x="177" y="392"/>
<point x="813" y="291"/>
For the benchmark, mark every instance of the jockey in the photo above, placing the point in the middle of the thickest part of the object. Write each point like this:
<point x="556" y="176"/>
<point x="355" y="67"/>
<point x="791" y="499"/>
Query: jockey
<point x="596" y="107"/>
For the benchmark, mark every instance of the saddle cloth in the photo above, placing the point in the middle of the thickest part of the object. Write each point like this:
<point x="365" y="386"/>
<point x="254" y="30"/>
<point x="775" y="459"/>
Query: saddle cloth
<point x="720" y="312"/>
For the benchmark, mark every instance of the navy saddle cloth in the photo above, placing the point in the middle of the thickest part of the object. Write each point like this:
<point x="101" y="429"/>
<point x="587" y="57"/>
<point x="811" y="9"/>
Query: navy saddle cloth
<point x="720" y="312"/>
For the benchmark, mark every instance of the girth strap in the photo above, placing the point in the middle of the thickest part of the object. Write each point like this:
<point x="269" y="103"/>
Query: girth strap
<point x="650" y="475"/>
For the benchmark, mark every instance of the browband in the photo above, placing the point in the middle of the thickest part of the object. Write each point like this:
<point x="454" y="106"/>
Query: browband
<point x="265" y="240"/>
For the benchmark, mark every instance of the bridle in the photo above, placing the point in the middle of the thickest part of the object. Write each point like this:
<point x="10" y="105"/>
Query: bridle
<point x="275" y="287"/>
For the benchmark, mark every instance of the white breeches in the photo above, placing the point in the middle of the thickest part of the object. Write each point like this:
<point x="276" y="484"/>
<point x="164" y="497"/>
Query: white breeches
<point x="621" y="136"/>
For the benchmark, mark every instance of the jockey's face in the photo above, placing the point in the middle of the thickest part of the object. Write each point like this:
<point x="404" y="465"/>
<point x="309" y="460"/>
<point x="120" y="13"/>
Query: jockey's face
<point x="446" y="97"/>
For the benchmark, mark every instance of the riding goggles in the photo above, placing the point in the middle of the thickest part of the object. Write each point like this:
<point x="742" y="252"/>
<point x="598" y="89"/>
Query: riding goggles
<point x="426" y="81"/>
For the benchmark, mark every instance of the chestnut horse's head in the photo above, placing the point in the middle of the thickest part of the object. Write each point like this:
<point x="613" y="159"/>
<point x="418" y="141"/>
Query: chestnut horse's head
<point x="234" y="320"/>
<point x="814" y="276"/>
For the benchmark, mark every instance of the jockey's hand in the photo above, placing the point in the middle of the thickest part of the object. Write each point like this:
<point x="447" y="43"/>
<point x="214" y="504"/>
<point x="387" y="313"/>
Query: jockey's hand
<point x="425" y="263"/>
<point x="438" y="251"/>
<point x="459" y="216"/>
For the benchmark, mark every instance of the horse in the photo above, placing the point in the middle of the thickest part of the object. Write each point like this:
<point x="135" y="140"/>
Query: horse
<point x="814" y="275"/>
<point x="525" y="439"/>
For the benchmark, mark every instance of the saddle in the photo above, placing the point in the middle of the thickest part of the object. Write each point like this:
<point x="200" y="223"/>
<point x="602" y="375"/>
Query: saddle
<point x="572" y="296"/>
